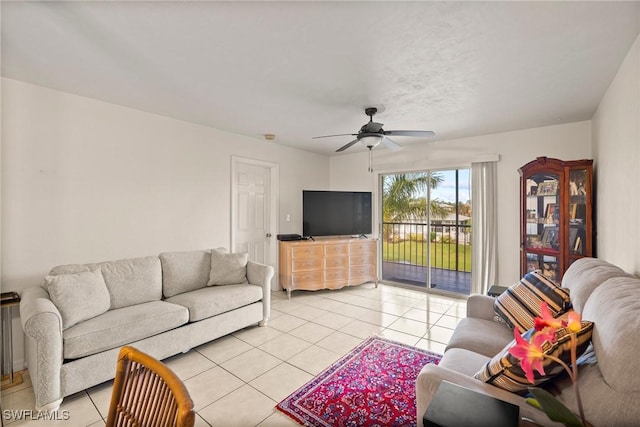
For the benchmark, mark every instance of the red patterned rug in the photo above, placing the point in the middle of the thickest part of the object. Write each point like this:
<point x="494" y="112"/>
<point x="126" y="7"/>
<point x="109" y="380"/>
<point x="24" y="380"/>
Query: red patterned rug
<point x="373" y="385"/>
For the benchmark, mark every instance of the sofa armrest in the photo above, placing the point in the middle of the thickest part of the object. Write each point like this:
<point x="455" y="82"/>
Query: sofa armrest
<point x="42" y="326"/>
<point x="481" y="307"/>
<point x="261" y="275"/>
<point x="432" y="375"/>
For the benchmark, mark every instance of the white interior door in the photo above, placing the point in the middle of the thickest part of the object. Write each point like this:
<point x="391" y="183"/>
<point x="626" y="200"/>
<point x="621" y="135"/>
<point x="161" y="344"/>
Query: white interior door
<point x="253" y="209"/>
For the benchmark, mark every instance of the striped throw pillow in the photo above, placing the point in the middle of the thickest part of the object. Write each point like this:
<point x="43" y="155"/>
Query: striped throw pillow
<point x="504" y="370"/>
<point x="520" y="304"/>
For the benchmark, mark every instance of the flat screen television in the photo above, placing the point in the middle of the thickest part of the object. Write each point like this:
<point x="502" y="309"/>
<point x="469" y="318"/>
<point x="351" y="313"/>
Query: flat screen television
<point x="336" y="213"/>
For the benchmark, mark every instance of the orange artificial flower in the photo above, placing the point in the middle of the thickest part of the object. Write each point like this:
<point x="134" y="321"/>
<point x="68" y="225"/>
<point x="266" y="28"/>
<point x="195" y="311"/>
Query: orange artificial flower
<point x="547" y="320"/>
<point x="530" y="353"/>
<point x="575" y="322"/>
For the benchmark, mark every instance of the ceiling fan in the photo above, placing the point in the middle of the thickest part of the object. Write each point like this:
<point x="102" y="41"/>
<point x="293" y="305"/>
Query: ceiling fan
<point x="371" y="134"/>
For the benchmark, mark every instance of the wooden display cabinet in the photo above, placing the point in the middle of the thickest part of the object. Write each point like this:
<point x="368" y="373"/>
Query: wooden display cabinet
<point x="556" y="215"/>
<point x="330" y="263"/>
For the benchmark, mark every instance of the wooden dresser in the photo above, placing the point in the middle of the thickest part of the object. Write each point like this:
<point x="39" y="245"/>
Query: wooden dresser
<point x="329" y="263"/>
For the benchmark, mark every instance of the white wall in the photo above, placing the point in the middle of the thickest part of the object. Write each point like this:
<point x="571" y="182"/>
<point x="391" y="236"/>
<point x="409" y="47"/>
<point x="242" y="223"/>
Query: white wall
<point x="616" y="147"/>
<point x="567" y="142"/>
<point x="87" y="181"/>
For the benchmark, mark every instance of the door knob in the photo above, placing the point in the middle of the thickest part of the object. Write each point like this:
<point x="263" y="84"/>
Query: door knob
<point x="268" y="234"/>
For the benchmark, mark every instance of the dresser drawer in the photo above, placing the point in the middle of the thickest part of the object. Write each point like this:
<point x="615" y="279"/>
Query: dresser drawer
<point x="336" y="262"/>
<point x="336" y="274"/>
<point x="304" y="277"/>
<point x="336" y="250"/>
<point x="306" y="251"/>
<point x="303" y="264"/>
<point x="363" y="271"/>
<point x="363" y="247"/>
<point x="362" y="259"/>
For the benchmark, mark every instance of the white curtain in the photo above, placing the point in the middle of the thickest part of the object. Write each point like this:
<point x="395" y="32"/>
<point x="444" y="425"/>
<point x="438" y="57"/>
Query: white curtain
<point x="484" y="234"/>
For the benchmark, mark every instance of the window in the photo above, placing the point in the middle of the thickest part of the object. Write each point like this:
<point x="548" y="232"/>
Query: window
<point x="426" y="229"/>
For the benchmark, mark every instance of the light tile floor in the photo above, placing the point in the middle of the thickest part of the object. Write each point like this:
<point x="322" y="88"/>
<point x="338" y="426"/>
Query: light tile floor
<point x="237" y="380"/>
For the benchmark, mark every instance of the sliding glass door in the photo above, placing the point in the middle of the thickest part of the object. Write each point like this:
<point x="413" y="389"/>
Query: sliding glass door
<point x="426" y="229"/>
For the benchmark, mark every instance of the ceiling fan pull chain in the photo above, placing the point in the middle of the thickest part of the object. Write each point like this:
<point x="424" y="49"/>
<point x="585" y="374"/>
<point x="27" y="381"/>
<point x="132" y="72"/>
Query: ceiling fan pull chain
<point x="370" y="159"/>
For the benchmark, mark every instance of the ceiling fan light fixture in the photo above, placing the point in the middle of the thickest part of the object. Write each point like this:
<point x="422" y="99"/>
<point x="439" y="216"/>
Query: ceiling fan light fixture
<point x="371" y="140"/>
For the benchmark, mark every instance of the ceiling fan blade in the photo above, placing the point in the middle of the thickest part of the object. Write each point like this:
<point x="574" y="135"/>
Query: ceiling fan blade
<point x="344" y="147"/>
<point x="391" y="144"/>
<point x="422" y="133"/>
<point x="331" y="136"/>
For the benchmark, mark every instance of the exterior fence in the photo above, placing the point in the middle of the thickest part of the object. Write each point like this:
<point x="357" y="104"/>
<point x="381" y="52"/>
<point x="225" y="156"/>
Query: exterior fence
<point x="406" y="243"/>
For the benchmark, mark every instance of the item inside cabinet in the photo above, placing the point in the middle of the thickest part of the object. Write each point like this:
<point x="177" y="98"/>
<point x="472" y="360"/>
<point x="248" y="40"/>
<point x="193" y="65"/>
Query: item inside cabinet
<point x="550" y="270"/>
<point x="577" y="188"/>
<point x="576" y="236"/>
<point x="573" y="207"/>
<point x="552" y="214"/>
<point x="550" y="238"/>
<point x="533" y="241"/>
<point x="548" y="188"/>
<point x="577" y="180"/>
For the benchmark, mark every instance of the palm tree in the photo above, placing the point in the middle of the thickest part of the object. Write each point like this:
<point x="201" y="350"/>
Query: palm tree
<point x="403" y="197"/>
<point x="464" y="208"/>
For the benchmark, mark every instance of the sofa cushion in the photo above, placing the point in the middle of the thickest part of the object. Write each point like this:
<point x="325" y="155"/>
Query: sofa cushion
<point x="504" y="369"/>
<point x="132" y="281"/>
<point x="584" y="275"/>
<point x="603" y="405"/>
<point x="481" y="336"/>
<point x="68" y="269"/>
<point x="122" y="326"/>
<point x="78" y="296"/>
<point x="210" y="301"/>
<point x="227" y="268"/>
<point x="520" y="304"/>
<point x="464" y="361"/>
<point x="613" y="307"/>
<point x="184" y="271"/>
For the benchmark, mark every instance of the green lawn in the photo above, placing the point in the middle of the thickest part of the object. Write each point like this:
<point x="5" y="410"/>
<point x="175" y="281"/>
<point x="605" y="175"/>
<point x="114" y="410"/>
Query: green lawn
<point x="442" y="254"/>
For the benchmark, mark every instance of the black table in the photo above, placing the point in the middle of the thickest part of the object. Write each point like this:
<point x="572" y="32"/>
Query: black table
<point x="496" y="291"/>
<point x="8" y="300"/>
<point x="457" y="406"/>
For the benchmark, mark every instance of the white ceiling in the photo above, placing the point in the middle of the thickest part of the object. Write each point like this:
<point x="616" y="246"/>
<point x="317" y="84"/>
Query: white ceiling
<point x="303" y="69"/>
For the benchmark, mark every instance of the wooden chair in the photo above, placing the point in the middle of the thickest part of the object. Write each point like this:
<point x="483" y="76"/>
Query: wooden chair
<point x="146" y="393"/>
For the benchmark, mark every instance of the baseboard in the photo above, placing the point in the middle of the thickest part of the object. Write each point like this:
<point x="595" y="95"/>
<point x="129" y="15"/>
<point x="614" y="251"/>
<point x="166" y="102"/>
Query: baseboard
<point x="19" y="365"/>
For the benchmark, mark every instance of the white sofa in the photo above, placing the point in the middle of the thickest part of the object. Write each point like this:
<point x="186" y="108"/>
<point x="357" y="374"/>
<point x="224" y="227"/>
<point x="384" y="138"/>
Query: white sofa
<point x="162" y="305"/>
<point x="609" y="383"/>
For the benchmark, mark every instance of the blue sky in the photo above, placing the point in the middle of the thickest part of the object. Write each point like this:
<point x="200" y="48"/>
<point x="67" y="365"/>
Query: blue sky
<point x="446" y="191"/>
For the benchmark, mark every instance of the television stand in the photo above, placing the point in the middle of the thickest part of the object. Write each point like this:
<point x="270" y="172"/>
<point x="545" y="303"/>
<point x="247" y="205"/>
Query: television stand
<point x="327" y="263"/>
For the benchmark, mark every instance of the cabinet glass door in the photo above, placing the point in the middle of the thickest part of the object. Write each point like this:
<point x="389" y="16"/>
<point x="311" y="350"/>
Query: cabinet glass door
<point x="577" y="211"/>
<point x="542" y="224"/>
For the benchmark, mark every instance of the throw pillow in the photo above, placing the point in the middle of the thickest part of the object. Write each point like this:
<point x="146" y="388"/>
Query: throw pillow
<point x="79" y="296"/>
<point x="520" y="304"/>
<point x="504" y="370"/>
<point x="227" y="269"/>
